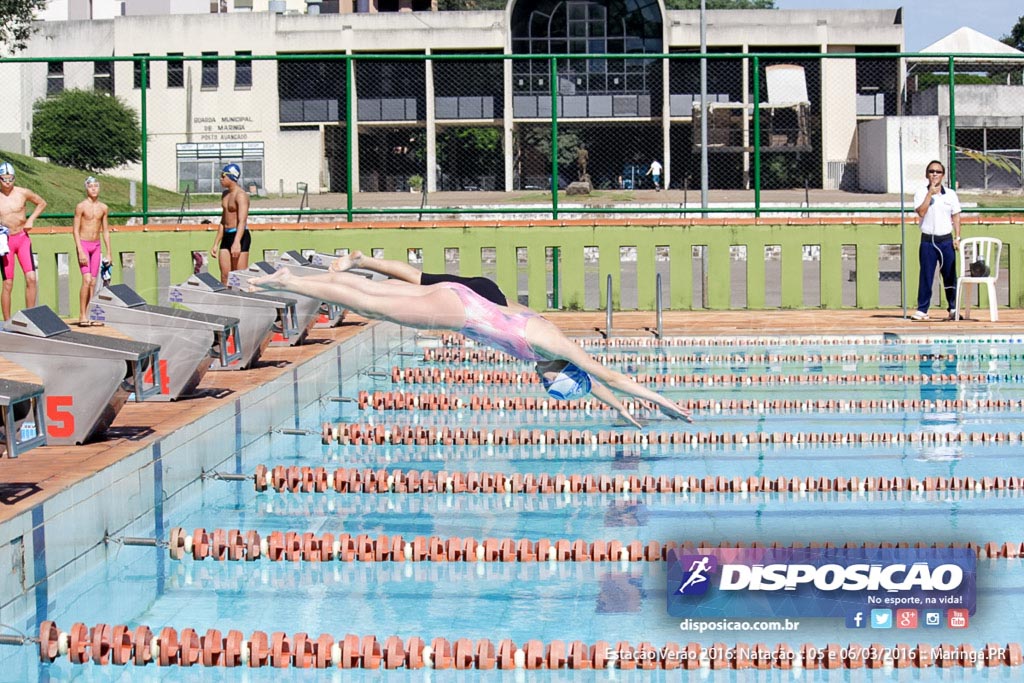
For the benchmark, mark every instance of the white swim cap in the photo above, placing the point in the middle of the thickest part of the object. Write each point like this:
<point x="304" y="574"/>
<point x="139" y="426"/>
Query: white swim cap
<point x="91" y="181"/>
<point x="6" y="168"/>
<point x="571" y="382"/>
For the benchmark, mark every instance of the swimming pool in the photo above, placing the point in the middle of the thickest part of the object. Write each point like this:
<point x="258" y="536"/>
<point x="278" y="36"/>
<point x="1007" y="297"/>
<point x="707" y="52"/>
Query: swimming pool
<point x="918" y="445"/>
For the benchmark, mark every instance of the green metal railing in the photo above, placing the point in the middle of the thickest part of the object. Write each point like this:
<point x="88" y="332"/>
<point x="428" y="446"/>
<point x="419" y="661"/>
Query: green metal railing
<point x="351" y="212"/>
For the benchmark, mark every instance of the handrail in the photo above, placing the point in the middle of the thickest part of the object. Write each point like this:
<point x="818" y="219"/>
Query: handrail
<point x="303" y="203"/>
<point x="658" y="303"/>
<point x="186" y="200"/>
<point x="608" y="308"/>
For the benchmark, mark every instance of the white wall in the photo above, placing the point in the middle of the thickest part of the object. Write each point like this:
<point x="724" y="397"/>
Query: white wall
<point x="879" y="151"/>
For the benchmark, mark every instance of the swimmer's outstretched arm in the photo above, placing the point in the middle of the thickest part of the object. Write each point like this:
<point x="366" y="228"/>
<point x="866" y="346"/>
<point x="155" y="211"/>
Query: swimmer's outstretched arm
<point x="605" y="396"/>
<point x="549" y="340"/>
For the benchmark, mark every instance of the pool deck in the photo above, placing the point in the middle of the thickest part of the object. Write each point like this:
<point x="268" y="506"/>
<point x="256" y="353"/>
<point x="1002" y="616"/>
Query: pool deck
<point x="43" y="472"/>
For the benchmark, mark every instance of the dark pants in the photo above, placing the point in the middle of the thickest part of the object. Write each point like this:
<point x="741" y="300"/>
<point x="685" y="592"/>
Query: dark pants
<point x="938" y="253"/>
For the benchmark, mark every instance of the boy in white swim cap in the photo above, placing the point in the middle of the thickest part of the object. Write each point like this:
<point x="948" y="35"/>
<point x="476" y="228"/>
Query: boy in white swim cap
<point x="19" y="245"/>
<point x="90" y="225"/>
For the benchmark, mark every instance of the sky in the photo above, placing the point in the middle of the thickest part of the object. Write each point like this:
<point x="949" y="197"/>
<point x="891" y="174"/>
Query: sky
<point x="925" y="21"/>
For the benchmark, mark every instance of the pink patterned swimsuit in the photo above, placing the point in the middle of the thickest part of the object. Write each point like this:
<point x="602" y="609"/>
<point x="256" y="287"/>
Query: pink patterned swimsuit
<point x="489" y="324"/>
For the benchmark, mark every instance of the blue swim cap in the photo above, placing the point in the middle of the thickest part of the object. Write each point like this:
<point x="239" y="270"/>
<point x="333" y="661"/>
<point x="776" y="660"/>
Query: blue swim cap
<point x="570" y="383"/>
<point x="232" y="171"/>
<point x="91" y="181"/>
<point x="6" y="168"/>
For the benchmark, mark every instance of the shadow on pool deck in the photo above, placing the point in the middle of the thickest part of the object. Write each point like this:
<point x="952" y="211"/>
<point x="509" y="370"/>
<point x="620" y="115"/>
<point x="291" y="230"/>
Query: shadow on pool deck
<point x="43" y="472"/>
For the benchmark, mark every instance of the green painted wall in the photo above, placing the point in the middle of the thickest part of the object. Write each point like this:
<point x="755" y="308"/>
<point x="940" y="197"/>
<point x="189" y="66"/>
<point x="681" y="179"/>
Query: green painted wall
<point x="570" y="239"/>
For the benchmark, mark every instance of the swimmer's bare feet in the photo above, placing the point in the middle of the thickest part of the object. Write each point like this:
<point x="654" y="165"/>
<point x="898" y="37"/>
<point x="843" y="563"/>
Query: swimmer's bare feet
<point x="347" y="262"/>
<point x="279" y="279"/>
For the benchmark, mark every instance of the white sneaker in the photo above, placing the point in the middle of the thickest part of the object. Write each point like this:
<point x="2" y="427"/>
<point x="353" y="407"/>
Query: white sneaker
<point x="919" y="316"/>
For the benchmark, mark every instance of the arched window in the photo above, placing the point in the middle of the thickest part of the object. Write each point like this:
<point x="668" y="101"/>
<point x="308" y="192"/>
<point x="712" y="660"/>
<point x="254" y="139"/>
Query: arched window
<point x="580" y="27"/>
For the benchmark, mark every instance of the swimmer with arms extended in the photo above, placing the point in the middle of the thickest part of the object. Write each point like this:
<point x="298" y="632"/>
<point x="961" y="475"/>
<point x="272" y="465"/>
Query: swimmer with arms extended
<point x="454" y="306"/>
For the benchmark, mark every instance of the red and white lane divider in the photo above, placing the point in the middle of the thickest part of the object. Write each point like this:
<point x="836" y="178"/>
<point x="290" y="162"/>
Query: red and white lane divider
<point x="294" y="546"/>
<point x="409" y="400"/>
<point x="418" y="435"/>
<point x="447" y="376"/>
<point x="486" y="355"/>
<point x="121" y="645"/>
<point x="453" y="339"/>
<point x="296" y="479"/>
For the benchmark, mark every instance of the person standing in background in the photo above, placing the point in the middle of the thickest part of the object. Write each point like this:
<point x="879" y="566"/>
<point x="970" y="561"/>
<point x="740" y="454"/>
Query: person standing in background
<point x="231" y="246"/>
<point x="90" y="225"/>
<point x="15" y="226"/>
<point x="939" y="210"/>
<point x="655" y="172"/>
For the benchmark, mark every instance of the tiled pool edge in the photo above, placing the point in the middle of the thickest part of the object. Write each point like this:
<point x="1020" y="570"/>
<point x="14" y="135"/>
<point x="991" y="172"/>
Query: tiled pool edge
<point x="63" y="536"/>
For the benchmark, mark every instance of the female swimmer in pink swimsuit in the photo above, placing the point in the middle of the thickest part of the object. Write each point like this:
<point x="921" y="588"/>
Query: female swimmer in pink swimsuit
<point x="454" y="306"/>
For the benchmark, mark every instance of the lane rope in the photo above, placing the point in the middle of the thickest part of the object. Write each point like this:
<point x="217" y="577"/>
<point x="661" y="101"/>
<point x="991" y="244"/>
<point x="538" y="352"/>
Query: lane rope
<point x="295" y="546"/>
<point x="104" y="644"/>
<point x="399" y="400"/>
<point x="420" y="435"/>
<point x="295" y="479"/>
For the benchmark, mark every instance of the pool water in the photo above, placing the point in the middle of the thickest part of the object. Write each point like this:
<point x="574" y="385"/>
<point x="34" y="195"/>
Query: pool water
<point x="589" y="601"/>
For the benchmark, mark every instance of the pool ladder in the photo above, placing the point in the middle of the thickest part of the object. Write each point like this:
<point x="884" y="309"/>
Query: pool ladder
<point x="658" y="306"/>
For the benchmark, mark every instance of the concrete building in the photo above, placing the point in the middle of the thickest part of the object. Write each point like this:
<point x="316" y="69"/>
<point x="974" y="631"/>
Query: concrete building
<point x="284" y="121"/>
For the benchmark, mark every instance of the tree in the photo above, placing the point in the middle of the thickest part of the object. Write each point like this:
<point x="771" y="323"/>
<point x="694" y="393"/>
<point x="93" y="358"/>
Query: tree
<point x="1015" y="38"/>
<point x="720" y="4"/>
<point x="16" y="17"/>
<point x="87" y="130"/>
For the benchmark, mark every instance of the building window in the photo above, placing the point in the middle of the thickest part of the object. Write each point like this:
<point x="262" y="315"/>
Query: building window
<point x="243" y="70"/>
<point x="137" y="72"/>
<point x="175" y="71"/>
<point x="584" y="27"/>
<point x="310" y="90"/>
<point x="211" y="71"/>
<point x="54" y="78"/>
<point x="199" y="164"/>
<point x="103" y="77"/>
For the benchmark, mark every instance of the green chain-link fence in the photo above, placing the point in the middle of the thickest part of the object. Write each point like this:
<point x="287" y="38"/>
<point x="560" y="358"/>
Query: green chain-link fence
<point x="349" y="136"/>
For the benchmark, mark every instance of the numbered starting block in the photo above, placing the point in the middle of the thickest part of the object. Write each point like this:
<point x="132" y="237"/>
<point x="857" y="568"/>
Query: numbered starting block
<point x="331" y="314"/>
<point x="88" y="377"/>
<point x="257" y="314"/>
<point x="307" y="309"/>
<point x="21" y="417"/>
<point x="187" y="339"/>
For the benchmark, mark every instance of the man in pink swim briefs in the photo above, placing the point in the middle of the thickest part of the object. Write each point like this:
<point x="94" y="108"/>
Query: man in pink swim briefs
<point x="15" y="245"/>
<point x="89" y="226"/>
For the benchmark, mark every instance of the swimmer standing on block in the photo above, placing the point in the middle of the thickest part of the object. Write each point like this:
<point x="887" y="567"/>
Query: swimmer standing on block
<point x="566" y="370"/>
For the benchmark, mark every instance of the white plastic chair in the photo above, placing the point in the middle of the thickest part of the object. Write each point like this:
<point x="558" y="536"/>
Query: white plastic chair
<point x="989" y="250"/>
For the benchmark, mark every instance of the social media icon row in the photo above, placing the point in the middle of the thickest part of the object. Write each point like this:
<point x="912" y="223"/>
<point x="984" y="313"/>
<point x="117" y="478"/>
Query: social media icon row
<point x="908" y="618"/>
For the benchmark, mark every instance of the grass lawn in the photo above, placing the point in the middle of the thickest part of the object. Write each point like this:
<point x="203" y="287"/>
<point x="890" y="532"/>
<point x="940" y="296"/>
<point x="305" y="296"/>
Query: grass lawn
<point x="63" y="188"/>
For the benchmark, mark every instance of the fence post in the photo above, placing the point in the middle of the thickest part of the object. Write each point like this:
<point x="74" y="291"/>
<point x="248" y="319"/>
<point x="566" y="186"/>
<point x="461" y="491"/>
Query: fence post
<point x="144" y="72"/>
<point x="349" y="133"/>
<point x="553" y="77"/>
<point x="952" y="123"/>
<point x="757" y="136"/>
